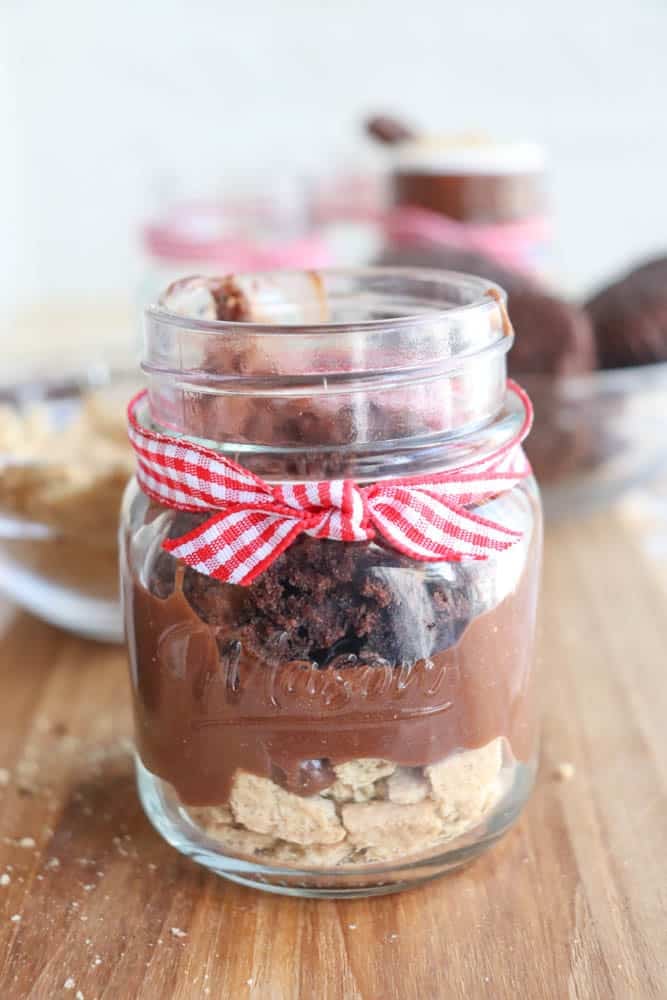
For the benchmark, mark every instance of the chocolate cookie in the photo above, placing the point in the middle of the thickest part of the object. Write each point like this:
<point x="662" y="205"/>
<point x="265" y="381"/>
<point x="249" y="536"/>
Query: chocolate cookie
<point x="629" y="317"/>
<point x="450" y="259"/>
<point x="554" y="339"/>
<point x="553" y="336"/>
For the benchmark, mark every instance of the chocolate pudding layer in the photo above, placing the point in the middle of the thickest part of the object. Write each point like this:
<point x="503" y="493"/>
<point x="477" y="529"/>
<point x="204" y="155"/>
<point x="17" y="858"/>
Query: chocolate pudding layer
<point x="338" y="652"/>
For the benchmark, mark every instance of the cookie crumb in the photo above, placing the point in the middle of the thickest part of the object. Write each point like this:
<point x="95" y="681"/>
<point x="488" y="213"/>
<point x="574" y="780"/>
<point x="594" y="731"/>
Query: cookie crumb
<point x="26" y="842"/>
<point x="565" y="771"/>
<point x="79" y="995"/>
<point x="16" y="919"/>
<point x="5" y="879"/>
<point x="69" y="984"/>
<point x="178" y="933"/>
<point x="53" y="863"/>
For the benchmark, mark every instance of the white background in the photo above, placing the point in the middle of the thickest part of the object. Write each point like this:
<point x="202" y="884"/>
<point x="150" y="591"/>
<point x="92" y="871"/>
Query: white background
<point x="98" y="99"/>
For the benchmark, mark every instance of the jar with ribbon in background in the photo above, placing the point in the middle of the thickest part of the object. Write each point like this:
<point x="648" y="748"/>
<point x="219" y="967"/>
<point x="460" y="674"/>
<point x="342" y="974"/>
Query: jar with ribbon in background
<point x="467" y="202"/>
<point x="330" y="560"/>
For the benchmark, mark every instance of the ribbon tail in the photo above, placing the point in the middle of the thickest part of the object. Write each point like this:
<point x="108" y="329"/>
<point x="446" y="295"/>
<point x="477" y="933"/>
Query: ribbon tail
<point x="235" y="546"/>
<point x="436" y="529"/>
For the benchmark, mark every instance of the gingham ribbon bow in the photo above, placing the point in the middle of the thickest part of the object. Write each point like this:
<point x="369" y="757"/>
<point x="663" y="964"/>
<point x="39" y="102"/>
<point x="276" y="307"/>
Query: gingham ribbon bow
<point x="252" y="522"/>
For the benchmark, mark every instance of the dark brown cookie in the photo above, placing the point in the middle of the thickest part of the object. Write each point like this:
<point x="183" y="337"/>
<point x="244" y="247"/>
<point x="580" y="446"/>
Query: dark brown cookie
<point x="450" y="259"/>
<point x="566" y="438"/>
<point x="552" y="336"/>
<point x="629" y="317"/>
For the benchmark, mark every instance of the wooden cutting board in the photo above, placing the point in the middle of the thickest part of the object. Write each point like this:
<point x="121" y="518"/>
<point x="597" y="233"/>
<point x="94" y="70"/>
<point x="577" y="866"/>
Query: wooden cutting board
<point x="572" y="904"/>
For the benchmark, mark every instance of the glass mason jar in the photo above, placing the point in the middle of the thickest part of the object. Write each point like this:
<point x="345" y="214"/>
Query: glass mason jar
<point x="477" y="199"/>
<point x="263" y="222"/>
<point x="482" y="182"/>
<point x="355" y="719"/>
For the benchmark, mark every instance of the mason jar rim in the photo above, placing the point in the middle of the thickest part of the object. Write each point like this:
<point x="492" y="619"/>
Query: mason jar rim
<point x="484" y="297"/>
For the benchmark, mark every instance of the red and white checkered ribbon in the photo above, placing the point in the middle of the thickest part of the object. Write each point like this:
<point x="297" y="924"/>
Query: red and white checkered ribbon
<point x="252" y="522"/>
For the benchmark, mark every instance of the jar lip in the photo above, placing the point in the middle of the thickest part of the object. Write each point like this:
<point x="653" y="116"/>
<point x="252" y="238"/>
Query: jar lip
<point x="485" y="297"/>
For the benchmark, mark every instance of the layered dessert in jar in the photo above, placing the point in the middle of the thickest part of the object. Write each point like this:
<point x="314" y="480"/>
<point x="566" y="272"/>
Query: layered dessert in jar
<point x="471" y="180"/>
<point x="344" y="715"/>
<point x="470" y="193"/>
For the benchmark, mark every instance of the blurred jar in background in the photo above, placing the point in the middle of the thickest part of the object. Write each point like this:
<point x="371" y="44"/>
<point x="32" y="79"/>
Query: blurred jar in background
<point x="473" y="195"/>
<point x="259" y="225"/>
<point x="349" y="204"/>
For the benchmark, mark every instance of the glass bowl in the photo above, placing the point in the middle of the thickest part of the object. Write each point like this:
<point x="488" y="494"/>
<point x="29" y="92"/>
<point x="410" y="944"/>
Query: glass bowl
<point x="64" y="462"/>
<point x="596" y="436"/>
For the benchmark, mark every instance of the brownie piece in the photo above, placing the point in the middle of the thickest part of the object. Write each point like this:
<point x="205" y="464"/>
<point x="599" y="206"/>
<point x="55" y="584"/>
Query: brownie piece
<point x="327" y="601"/>
<point x="629" y="317"/>
<point x="331" y="603"/>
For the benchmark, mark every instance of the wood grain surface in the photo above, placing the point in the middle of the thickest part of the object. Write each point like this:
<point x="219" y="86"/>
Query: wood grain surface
<point x="572" y="904"/>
